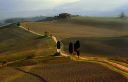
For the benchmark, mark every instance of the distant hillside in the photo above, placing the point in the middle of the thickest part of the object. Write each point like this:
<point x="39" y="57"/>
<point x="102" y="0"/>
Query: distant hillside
<point x="31" y="19"/>
<point x="114" y="23"/>
<point x="98" y="36"/>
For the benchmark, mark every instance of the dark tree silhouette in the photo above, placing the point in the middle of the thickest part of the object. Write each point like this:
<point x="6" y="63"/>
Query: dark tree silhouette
<point x="63" y="16"/>
<point x="76" y="48"/>
<point x="122" y="15"/>
<point x="70" y="47"/>
<point x="76" y="45"/>
<point x="18" y="24"/>
<point x="58" y="45"/>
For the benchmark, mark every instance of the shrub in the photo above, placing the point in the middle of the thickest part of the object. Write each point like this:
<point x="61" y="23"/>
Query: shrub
<point x="46" y="34"/>
<point x="18" y="24"/>
<point x="63" y="16"/>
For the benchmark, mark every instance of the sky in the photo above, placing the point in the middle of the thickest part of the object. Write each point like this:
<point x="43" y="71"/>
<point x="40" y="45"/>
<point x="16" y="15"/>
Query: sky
<point x="19" y="8"/>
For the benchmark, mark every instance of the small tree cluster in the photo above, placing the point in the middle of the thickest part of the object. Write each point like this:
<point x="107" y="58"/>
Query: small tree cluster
<point x="122" y="15"/>
<point x="63" y="16"/>
<point x="18" y="24"/>
<point x="74" y="48"/>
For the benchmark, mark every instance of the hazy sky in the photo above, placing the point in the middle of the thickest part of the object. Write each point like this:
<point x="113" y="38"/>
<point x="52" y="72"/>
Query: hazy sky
<point x="23" y="5"/>
<point x="10" y="8"/>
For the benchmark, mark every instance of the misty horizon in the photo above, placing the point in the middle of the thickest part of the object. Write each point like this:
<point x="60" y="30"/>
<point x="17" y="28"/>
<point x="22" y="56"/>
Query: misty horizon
<point x="31" y="8"/>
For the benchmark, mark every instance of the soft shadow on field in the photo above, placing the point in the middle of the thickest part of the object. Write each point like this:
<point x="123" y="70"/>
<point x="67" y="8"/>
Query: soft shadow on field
<point x="40" y="37"/>
<point x="105" y="47"/>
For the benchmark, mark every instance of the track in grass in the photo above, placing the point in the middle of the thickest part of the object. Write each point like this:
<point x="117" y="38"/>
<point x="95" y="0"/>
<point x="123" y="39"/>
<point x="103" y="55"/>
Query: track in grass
<point x="33" y="74"/>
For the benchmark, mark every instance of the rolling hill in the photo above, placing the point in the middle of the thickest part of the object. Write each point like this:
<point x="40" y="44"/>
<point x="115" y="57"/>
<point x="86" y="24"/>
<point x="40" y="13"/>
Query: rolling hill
<point x="98" y="36"/>
<point x="16" y="43"/>
<point x="38" y="65"/>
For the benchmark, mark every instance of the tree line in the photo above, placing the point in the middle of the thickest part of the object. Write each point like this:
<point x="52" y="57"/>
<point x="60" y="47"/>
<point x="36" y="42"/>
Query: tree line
<point x="73" y="49"/>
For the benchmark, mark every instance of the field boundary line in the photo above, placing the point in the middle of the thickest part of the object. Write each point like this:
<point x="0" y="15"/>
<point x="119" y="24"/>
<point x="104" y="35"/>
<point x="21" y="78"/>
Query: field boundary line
<point x="33" y="74"/>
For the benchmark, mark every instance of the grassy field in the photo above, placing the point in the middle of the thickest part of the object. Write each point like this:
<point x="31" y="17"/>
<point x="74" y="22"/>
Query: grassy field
<point x="98" y="36"/>
<point x="112" y="23"/>
<point x="76" y="72"/>
<point x="17" y="48"/>
<point x="67" y="30"/>
<point x="58" y="69"/>
<point x="16" y="43"/>
<point x="109" y="47"/>
<point x="34" y="53"/>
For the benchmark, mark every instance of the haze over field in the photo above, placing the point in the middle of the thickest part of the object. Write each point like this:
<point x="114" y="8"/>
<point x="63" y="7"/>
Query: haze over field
<point x="25" y="8"/>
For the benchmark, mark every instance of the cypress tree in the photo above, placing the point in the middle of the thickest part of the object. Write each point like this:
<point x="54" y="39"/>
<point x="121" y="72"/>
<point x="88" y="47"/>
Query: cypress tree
<point x="77" y="44"/>
<point x="76" y="48"/>
<point x="58" y="45"/>
<point x="70" y="47"/>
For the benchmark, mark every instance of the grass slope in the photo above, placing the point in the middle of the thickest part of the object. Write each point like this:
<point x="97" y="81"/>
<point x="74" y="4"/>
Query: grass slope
<point x="102" y="22"/>
<point x="68" y="29"/>
<point x="76" y="72"/>
<point x="16" y="43"/>
<point x="100" y="37"/>
<point x="109" y="47"/>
